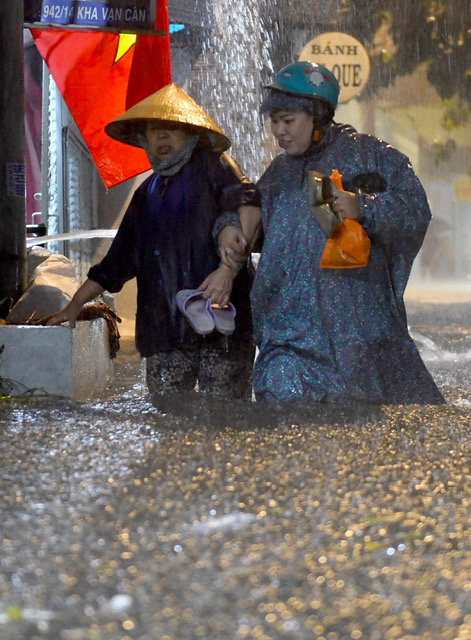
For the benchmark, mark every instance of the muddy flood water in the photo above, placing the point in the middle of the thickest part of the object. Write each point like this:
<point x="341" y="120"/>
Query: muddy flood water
<point x="236" y="522"/>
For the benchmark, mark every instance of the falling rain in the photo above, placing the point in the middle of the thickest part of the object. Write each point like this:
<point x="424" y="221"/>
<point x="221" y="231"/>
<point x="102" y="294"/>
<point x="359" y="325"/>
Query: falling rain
<point x="237" y="521"/>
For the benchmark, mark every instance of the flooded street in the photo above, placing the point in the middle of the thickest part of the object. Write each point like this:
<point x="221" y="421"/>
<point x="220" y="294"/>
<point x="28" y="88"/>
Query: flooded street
<point x="238" y="522"/>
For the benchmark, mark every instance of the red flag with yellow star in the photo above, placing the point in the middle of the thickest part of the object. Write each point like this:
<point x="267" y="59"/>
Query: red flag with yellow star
<point x="100" y="75"/>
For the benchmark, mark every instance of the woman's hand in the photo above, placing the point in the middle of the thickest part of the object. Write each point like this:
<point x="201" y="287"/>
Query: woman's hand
<point x="345" y="203"/>
<point x="218" y="285"/>
<point x="88" y="291"/>
<point x="68" y="314"/>
<point x="233" y="247"/>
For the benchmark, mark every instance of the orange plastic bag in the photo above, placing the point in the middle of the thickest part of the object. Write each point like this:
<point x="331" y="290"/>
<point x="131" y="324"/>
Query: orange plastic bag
<point x="349" y="246"/>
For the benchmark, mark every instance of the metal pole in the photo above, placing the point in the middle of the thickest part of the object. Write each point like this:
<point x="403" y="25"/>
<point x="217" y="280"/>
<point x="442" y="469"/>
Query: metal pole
<point x="13" y="267"/>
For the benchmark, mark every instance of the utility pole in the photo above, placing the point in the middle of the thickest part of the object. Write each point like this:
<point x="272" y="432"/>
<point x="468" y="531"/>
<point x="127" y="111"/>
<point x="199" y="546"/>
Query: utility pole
<point x="13" y="267"/>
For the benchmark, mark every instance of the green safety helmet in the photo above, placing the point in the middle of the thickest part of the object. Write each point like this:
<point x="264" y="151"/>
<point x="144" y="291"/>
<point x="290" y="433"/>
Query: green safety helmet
<point x="308" y="79"/>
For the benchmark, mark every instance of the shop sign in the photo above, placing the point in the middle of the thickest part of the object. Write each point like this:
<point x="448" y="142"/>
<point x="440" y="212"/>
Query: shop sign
<point x="345" y="56"/>
<point x="16" y="179"/>
<point x="134" y="16"/>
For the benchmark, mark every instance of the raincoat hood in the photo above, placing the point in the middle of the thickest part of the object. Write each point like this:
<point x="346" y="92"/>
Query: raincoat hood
<point x="170" y="104"/>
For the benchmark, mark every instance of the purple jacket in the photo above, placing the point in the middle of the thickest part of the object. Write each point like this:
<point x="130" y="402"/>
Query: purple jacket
<point x="165" y="241"/>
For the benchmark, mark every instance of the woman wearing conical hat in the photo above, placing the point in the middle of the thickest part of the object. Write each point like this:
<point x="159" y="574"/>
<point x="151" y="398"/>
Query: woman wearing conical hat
<point x="166" y="240"/>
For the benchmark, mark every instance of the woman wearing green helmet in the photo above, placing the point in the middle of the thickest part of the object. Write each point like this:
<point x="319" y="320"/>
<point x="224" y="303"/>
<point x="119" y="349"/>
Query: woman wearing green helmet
<point x="340" y="334"/>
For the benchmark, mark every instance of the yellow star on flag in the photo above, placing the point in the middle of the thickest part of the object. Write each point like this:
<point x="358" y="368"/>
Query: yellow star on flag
<point x="126" y="41"/>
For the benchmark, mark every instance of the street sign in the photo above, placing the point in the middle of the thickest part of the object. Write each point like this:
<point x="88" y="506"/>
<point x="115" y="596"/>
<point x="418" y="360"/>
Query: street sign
<point x="345" y="56"/>
<point x="133" y="16"/>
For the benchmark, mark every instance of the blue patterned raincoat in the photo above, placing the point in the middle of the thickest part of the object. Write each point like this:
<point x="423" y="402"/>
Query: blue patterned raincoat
<point x="330" y="334"/>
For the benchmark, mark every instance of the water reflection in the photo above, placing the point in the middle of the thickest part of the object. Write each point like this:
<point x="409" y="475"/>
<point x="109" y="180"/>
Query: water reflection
<point x="322" y="521"/>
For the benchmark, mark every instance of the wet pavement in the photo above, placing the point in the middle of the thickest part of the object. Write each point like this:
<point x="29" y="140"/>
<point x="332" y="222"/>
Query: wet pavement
<point x="237" y="522"/>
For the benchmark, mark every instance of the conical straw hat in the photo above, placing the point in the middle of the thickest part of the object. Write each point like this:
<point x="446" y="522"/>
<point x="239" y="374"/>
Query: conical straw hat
<point x="171" y="104"/>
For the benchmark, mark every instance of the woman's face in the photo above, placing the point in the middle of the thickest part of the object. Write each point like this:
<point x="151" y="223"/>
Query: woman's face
<point x="165" y="139"/>
<point x="293" y="130"/>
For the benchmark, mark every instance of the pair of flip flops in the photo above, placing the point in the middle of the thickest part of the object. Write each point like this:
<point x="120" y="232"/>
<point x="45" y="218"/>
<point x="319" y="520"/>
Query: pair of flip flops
<point x="203" y="316"/>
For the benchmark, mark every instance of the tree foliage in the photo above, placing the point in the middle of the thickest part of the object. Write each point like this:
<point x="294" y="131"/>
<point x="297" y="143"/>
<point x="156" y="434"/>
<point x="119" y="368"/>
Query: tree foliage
<point x="430" y="31"/>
